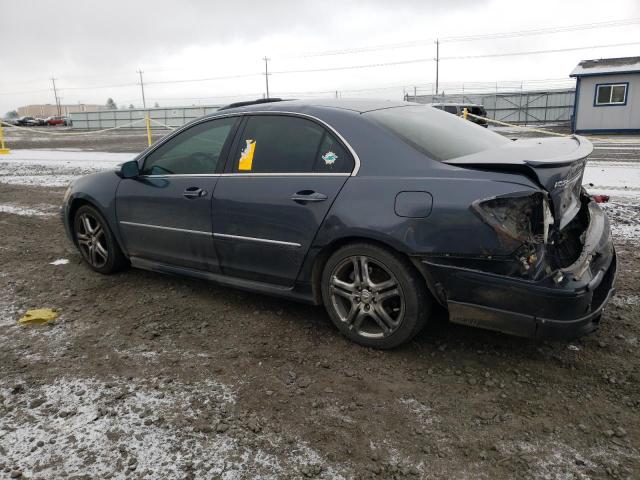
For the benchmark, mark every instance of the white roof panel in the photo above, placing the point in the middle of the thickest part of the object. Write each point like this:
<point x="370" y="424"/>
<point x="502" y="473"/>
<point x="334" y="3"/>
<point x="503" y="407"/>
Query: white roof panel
<point x="607" y="65"/>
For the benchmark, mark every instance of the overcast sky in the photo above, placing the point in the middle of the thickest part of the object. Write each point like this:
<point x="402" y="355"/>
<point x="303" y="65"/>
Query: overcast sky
<point x="94" y="48"/>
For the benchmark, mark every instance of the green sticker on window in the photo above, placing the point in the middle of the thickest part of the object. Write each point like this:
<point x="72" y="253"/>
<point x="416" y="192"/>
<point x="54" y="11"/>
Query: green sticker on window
<point x="329" y="158"/>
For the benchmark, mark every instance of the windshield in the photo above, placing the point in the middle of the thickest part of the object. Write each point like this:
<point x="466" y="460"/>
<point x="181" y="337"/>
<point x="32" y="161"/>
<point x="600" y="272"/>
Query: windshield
<point x="439" y="135"/>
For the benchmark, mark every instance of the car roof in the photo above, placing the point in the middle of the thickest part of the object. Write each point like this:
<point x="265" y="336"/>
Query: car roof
<point x="303" y="106"/>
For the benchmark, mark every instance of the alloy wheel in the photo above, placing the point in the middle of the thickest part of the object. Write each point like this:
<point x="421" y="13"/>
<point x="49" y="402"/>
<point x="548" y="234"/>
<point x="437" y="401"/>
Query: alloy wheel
<point x="367" y="297"/>
<point x="92" y="240"/>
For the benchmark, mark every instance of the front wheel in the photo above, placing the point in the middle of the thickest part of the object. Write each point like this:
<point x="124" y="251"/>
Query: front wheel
<point x="374" y="295"/>
<point x="95" y="241"/>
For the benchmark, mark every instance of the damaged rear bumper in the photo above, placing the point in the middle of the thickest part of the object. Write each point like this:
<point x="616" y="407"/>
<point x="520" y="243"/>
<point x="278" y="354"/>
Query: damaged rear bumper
<point x="547" y="308"/>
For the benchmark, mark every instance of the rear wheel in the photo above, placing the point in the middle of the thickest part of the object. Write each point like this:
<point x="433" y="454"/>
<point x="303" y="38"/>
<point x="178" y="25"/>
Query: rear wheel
<point x="374" y="295"/>
<point x="96" y="242"/>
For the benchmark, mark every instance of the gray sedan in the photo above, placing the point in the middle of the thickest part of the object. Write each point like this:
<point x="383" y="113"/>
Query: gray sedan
<point x="377" y="210"/>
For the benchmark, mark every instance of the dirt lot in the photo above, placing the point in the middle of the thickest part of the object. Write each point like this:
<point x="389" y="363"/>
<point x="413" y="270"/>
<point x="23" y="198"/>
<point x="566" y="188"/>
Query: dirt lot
<point x="150" y="376"/>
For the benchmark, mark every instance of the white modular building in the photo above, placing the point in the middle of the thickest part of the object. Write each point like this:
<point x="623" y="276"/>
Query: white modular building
<point x="607" y="96"/>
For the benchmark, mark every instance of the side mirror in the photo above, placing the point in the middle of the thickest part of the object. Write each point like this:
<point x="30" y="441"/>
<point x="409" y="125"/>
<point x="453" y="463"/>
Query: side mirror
<point x="129" y="169"/>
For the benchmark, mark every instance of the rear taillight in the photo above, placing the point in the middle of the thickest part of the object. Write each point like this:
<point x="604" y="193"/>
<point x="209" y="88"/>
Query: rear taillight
<point x="522" y="216"/>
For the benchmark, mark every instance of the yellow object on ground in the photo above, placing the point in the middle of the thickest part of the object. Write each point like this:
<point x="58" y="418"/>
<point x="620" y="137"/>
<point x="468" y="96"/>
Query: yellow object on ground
<point x="39" y="315"/>
<point x="3" y="150"/>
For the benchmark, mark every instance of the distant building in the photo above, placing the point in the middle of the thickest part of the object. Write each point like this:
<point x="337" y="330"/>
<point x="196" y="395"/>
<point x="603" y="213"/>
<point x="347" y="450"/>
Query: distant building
<point x="48" y="110"/>
<point x="607" y="96"/>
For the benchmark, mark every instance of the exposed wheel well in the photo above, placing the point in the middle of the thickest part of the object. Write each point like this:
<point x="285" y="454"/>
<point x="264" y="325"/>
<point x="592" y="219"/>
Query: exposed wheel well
<point x="328" y="250"/>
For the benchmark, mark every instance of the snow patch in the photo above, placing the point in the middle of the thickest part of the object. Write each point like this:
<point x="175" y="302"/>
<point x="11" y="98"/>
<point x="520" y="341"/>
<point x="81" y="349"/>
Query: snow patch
<point x="625" y="219"/>
<point x="613" y="178"/>
<point x="8" y="308"/>
<point x="624" y="300"/>
<point x="422" y="411"/>
<point x="55" y="168"/>
<point x="60" y="261"/>
<point x="42" y="210"/>
<point x="553" y="460"/>
<point x="98" y="429"/>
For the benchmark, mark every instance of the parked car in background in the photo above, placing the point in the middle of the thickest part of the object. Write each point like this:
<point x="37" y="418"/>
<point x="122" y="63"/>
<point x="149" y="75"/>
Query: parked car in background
<point x="458" y="109"/>
<point x="58" y="120"/>
<point x="378" y="210"/>
<point x="40" y="122"/>
<point x="26" y="122"/>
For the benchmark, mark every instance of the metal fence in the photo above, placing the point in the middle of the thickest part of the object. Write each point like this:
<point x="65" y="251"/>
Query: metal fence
<point x="173" y="117"/>
<point x="522" y="107"/>
<point x="532" y="102"/>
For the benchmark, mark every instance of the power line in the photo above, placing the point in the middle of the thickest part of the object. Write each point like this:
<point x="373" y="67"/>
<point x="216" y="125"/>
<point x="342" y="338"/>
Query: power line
<point x="543" y="31"/>
<point x="355" y="67"/>
<point x="226" y="77"/>
<point x="26" y="91"/>
<point x="100" y="87"/>
<point x="464" y="57"/>
<point x="536" y="52"/>
<point x="464" y="38"/>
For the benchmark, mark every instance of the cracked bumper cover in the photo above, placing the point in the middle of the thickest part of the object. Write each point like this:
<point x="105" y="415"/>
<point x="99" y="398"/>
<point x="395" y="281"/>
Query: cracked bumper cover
<point x="534" y="309"/>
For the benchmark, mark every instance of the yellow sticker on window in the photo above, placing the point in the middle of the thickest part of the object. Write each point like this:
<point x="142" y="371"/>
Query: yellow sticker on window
<point x="246" y="156"/>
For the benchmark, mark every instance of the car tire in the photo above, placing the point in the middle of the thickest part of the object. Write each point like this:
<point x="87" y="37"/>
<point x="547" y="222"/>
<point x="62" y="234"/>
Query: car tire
<point x="382" y="309"/>
<point x="95" y="241"/>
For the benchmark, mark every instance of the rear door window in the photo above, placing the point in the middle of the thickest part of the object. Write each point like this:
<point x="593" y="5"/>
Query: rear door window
<point x="278" y="144"/>
<point x="451" y="109"/>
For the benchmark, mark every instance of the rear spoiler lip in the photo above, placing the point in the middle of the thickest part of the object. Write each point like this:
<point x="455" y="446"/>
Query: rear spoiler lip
<point x="584" y="148"/>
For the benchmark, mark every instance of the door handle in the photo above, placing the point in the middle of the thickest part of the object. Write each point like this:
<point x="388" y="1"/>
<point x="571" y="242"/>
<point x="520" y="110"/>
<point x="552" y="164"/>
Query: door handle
<point x="305" y="196"/>
<point x="194" y="192"/>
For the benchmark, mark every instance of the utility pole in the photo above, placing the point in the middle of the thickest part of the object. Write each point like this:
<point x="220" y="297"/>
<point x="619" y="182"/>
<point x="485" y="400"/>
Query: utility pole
<point x="437" y="63"/>
<point x="144" y="102"/>
<point x="55" y="94"/>
<point x="266" y="74"/>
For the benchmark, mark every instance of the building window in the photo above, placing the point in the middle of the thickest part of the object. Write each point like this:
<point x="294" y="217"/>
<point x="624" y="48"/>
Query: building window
<point x="611" y="94"/>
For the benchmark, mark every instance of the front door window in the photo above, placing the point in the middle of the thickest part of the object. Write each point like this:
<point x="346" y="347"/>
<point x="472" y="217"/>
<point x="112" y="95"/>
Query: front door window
<point x="194" y="151"/>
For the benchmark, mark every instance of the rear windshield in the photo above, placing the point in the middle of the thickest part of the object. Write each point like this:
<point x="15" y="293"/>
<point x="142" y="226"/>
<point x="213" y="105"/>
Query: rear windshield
<point x="439" y="135"/>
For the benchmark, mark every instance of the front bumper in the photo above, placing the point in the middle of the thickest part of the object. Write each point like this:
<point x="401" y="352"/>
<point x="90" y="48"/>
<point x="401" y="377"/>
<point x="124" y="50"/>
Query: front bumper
<point x="534" y="309"/>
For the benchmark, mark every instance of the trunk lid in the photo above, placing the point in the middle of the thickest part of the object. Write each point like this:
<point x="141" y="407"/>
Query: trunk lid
<point x="556" y="164"/>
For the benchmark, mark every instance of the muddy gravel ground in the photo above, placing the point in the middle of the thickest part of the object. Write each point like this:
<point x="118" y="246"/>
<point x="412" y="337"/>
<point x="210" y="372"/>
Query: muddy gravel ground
<point x="158" y="377"/>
